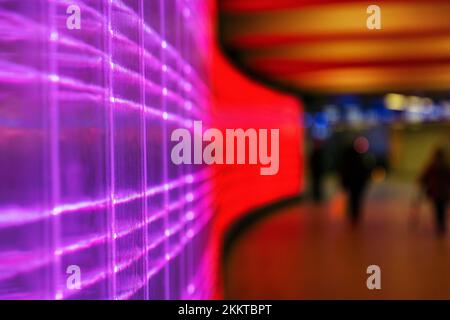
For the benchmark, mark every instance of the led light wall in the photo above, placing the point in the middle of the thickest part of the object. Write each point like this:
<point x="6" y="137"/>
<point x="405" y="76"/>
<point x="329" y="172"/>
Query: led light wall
<point x="90" y="205"/>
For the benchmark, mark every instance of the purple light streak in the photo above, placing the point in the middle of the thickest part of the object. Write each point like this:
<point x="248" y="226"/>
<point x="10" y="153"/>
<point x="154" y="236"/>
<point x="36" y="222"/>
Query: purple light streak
<point x="85" y="122"/>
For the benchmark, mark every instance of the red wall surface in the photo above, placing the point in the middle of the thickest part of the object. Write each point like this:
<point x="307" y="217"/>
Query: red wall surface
<point x="242" y="103"/>
<point x="239" y="102"/>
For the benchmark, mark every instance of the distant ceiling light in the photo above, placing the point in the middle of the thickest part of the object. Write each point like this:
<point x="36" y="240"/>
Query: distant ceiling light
<point x="414" y="102"/>
<point x="395" y="101"/>
<point x="427" y="102"/>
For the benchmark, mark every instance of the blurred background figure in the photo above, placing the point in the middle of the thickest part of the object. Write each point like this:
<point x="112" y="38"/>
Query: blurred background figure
<point x="435" y="183"/>
<point x="316" y="160"/>
<point x="354" y="176"/>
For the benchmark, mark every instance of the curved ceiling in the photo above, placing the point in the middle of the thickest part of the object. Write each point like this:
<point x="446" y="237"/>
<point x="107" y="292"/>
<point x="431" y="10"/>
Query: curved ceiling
<point x="325" y="46"/>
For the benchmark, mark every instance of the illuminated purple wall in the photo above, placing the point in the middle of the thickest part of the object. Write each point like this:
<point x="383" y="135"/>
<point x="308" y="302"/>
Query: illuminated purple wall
<point x="85" y="173"/>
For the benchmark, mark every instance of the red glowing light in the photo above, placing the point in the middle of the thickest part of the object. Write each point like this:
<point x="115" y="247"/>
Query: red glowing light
<point x="361" y="145"/>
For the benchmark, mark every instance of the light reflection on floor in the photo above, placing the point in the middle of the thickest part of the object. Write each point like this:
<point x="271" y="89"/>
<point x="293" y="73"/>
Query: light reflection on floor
<point x="309" y="251"/>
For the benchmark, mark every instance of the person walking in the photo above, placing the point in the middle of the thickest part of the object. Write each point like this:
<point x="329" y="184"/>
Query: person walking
<point x="435" y="183"/>
<point x="354" y="175"/>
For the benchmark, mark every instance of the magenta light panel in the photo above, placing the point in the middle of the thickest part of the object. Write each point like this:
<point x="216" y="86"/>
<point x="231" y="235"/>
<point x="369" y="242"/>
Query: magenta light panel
<point x="91" y="206"/>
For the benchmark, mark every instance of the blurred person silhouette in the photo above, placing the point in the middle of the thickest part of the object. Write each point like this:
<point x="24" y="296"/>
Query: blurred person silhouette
<point x="354" y="175"/>
<point x="435" y="183"/>
<point x="316" y="160"/>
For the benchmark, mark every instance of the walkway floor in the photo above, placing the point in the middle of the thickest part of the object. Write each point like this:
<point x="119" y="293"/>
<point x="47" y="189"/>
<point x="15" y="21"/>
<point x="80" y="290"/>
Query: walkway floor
<point x="309" y="251"/>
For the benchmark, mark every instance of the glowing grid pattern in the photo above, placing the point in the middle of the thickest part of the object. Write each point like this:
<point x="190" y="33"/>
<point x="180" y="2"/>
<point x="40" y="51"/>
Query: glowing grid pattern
<point x="85" y="178"/>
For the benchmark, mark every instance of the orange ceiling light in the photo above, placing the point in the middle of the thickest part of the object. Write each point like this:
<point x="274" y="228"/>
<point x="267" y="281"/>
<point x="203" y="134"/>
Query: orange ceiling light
<point x="325" y="46"/>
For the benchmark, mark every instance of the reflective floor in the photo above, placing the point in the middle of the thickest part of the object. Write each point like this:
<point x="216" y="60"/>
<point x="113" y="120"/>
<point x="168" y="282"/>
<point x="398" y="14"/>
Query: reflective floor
<point x="309" y="251"/>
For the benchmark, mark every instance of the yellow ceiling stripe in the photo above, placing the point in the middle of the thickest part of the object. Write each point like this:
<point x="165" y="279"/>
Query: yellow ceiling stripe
<point x="373" y="79"/>
<point x="339" y="18"/>
<point x="356" y="50"/>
